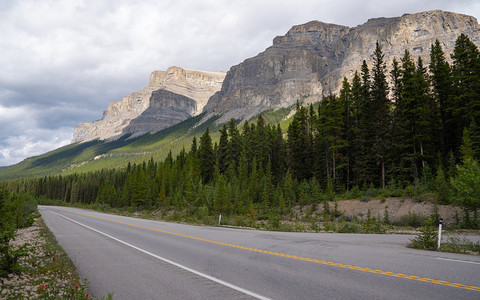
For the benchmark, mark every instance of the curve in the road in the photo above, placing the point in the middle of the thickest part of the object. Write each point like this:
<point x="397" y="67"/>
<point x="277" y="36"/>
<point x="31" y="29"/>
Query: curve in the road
<point x="323" y="262"/>
<point x="232" y="286"/>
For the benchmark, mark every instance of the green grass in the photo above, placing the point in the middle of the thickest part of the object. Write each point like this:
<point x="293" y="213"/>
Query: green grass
<point x="96" y="155"/>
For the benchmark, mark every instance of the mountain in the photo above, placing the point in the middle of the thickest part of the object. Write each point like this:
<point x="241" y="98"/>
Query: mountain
<point x="305" y="64"/>
<point x="170" y="97"/>
<point x="312" y="59"/>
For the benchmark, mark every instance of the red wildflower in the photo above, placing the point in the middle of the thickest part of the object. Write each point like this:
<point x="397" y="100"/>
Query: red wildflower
<point x="76" y="288"/>
<point x="87" y="295"/>
<point x="43" y="288"/>
<point x="53" y="258"/>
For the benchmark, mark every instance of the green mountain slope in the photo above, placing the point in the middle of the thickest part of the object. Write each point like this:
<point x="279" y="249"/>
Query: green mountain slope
<point x="96" y="155"/>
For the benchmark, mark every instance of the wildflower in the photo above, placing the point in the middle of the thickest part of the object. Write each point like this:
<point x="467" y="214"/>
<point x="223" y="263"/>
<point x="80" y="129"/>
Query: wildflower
<point x="53" y="259"/>
<point x="87" y="295"/>
<point x="76" y="288"/>
<point x="43" y="288"/>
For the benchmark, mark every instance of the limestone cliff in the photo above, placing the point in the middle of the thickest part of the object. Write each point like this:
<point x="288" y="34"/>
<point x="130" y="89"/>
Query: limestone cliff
<point x="312" y="59"/>
<point x="170" y="97"/>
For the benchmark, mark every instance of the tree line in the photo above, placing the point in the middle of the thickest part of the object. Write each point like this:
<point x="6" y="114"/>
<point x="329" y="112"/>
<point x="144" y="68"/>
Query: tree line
<point x="373" y="135"/>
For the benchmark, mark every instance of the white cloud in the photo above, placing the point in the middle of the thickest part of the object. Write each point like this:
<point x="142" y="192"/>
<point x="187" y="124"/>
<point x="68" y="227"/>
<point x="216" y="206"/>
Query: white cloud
<point x="63" y="62"/>
<point x="14" y="149"/>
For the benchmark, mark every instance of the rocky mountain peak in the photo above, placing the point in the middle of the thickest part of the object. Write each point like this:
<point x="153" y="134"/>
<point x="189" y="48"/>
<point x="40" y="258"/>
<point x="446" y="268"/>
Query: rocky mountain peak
<point x="312" y="32"/>
<point x="311" y="59"/>
<point x="170" y="97"/>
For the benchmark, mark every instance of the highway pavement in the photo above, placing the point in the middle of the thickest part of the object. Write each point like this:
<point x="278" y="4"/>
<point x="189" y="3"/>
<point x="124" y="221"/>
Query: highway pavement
<point x="145" y="259"/>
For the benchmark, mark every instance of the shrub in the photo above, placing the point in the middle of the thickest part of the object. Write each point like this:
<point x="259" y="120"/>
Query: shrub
<point x="412" y="219"/>
<point x="466" y="186"/>
<point x="427" y="239"/>
<point x="460" y="245"/>
<point x="348" y="227"/>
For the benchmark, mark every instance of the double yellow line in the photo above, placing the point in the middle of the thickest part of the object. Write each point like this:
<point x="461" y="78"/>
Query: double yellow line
<point x="318" y="261"/>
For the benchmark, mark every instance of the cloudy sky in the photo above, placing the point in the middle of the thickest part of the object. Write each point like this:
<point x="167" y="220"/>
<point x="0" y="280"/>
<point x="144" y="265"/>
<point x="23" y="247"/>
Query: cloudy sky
<point x="63" y="61"/>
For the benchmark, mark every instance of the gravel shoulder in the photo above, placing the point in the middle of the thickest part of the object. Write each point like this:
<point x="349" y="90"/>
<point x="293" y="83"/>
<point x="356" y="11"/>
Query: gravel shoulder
<point x="46" y="263"/>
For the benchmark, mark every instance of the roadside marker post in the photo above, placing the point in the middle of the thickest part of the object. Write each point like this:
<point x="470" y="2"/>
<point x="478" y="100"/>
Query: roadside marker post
<point x="219" y="219"/>
<point x="439" y="234"/>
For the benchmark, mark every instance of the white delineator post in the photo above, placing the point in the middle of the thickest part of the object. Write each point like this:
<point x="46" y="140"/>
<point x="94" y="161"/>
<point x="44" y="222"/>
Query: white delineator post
<point x="439" y="234"/>
<point x="219" y="219"/>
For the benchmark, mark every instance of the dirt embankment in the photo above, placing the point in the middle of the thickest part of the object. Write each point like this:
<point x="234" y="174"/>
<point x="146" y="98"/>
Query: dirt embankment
<point x="396" y="207"/>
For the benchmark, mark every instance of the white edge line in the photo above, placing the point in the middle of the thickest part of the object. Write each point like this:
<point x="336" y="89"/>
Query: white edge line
<point x="457" y="260"/>
<point x="232" y="286"/>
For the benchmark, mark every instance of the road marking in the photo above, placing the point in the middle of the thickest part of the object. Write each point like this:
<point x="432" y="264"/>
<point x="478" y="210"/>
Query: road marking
<point x="318" y="261"/>
<point x="227" y="284"/>
<point x="457" y="260"/>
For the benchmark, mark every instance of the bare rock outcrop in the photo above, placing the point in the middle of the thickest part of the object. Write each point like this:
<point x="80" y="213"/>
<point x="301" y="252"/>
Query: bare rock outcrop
<point x="311" y="60"/>
<point x="170" y="97"/>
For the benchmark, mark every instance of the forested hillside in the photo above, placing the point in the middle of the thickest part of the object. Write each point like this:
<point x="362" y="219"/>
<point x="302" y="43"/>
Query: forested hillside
<point x="418" y="133"/>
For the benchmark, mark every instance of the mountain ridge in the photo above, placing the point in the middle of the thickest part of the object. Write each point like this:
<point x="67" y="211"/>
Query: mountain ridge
<point x="311" y="59"/>
<point x="170" y="97"/>
<point x="285" y="72"/>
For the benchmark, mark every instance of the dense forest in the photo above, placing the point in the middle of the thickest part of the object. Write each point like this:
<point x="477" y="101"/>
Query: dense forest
<point x="420" y="132"/>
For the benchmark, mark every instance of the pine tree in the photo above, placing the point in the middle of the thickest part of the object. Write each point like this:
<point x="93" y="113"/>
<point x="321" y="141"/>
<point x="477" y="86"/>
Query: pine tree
<point x="364" y="164"/>
<point x="299" y="145"/>
<point x="261" y="142"/>
<point x="466" y="74"/>
<point x="426" y="114"/>
<point x="408" y="111"/>
<point x="223" y="150"/>
<point x="443" y="93"/>
<point x="221" y="196"/>
<point x="381" y="111"/>
<point x="346" y="100"/>
<point x="399" y="166"/>
<point x="193" y="149"/>
<point x="289" y="191"/>
<point x="206" y="157"/>
<point x="235" y="145"/>
<point x="330" y="131"/>
<point x="268" y="188"/>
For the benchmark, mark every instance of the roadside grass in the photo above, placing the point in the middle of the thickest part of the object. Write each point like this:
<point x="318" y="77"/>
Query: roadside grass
<point x="460" y="245"/>
<point x="46" y="273"/>
<point x="303" y="219"/>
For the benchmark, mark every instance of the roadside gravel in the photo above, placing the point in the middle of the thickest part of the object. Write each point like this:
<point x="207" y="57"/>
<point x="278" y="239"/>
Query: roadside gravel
<point x="46" y="263"/>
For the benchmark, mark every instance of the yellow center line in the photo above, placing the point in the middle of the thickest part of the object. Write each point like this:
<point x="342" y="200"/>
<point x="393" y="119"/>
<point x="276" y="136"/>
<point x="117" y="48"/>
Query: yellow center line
<point x="318" y="261"/>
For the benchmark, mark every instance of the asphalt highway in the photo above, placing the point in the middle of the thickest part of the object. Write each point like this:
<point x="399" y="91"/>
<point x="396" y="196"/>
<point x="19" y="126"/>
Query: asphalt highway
<point x="144" y="259"/>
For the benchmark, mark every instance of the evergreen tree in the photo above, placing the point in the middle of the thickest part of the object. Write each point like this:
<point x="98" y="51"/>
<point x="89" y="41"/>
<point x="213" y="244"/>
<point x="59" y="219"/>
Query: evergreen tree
<point x="299" y="145"/>
<point x="223" y="150"/>
<point x="364" y="164"/>
<point x="399" y="163"/>
<point x="426" y="114"/>
<point x="466" y="74"/>
<point x="330" y="131"/>
<point x="193" y="149"/>
<point x="268" y="188"/>
<point x="408" y="110"/>
<point x="381" y="111"/>
<point x="443" y="93"/>
<point x="235" y="145"/>
<point x="346" y="100"/>
<point x="221" y="196"/>
<point x="206" y="157"/>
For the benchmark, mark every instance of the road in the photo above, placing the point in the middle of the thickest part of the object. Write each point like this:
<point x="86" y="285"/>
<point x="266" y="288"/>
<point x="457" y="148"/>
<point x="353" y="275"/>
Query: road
<point x="144" y="259"/>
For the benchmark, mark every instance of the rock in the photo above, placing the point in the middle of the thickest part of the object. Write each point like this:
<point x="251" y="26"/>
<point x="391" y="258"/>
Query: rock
<point x="311" y="60"/>
<point x="170" y="97"/>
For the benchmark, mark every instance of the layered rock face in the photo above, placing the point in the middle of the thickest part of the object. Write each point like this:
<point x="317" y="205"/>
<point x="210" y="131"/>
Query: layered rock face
<point x="311" y="60"/>
<point x="170" y="97"/>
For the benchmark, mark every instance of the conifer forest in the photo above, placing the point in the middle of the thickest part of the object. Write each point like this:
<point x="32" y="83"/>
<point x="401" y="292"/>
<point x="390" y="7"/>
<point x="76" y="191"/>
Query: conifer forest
<point x="415" y="126"/>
